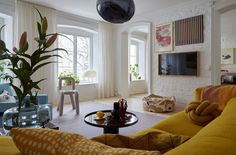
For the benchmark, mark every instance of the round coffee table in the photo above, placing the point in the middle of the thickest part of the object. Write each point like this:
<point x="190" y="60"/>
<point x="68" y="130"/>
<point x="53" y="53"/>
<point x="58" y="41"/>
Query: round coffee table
<point x="108" y="124"/>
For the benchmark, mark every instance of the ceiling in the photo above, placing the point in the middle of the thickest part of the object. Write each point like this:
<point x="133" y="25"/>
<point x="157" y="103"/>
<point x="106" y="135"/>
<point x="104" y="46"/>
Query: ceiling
<point x="87" y="8"/>
<point x="228" y="23"/>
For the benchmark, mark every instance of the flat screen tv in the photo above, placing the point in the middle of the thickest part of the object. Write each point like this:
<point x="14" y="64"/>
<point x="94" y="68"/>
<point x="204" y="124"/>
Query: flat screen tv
<point x="186" y="63"/>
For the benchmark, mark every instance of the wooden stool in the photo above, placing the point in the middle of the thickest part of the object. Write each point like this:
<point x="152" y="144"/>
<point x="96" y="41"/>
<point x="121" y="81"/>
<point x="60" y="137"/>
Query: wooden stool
<point x="72" y="93"/>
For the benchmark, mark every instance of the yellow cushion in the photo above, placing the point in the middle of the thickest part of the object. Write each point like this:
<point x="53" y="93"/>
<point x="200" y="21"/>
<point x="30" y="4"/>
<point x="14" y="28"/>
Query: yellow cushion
<point x="198" y="94"/>
<point x="7" y="146"/>
<point x="153" y="139"/>
<point x="53" y="142"/>
<point x="178" y="124"/>
<point x="217" y="138"/>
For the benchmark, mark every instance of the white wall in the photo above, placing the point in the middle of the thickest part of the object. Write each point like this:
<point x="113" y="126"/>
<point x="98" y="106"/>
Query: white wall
<point x="228" y="41"/>
<point x="181" y="87"/>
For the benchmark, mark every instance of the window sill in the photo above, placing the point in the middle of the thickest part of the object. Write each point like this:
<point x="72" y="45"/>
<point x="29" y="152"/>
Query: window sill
<point x="137" y="80"/>
<point x="87" y="83"/>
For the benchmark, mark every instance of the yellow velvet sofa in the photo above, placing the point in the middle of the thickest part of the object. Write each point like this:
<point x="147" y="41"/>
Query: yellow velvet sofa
<point x="217" y="138"/>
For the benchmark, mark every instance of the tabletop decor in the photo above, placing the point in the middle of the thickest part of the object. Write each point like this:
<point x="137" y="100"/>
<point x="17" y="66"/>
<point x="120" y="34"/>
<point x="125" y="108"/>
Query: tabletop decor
<point x="23" y="65"/>
<point x="122" y="108"/>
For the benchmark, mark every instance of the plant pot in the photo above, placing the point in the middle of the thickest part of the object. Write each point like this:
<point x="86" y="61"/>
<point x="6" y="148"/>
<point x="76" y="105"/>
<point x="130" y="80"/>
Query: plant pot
<point x="33" y="116"/>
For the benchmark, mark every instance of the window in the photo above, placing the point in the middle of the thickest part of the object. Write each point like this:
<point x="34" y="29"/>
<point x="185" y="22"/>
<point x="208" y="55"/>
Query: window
<point x="79" y="58"/>
<point x="137" y="59"/>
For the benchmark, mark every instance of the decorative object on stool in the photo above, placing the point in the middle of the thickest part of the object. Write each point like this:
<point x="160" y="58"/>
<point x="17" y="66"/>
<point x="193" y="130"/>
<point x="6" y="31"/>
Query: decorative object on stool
<point x="24" y="65"/>
<point x="116" y="11"/>
<point x="71" y="92"/>
<point x="155" y="103"/>
<point x="122" y="108"/>
<point x="202" y="113"/>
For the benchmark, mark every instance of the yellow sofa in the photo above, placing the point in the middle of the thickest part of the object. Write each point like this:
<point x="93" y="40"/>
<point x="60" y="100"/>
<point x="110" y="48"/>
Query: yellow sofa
<point x="217" y="138"/>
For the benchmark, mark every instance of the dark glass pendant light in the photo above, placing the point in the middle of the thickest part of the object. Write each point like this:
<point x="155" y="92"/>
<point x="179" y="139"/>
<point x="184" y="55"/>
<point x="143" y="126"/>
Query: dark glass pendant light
<point x="116" y="11"/>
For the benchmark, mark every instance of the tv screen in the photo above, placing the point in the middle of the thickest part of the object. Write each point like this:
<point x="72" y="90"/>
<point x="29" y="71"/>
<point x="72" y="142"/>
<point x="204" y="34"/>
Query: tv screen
<point x="179" y="63"/>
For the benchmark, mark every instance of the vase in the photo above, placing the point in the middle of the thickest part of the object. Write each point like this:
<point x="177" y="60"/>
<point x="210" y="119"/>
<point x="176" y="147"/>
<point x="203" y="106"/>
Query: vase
<point x="31" y="117"/>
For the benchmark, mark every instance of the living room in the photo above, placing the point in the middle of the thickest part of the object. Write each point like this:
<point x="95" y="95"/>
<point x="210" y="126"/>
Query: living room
<point x="164" y="68"/>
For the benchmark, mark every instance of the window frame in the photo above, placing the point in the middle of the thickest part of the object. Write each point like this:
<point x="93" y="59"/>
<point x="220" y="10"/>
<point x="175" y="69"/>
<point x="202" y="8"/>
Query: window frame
<point x="78" y="33"/>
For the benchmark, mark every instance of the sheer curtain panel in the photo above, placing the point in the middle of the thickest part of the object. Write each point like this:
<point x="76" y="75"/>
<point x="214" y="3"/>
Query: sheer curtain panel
<point x="105" y="68"/>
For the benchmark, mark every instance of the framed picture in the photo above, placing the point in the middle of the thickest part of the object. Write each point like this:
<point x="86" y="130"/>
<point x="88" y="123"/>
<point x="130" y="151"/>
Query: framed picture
<point x="227" y="56"/>
<point x="164" y="41"/>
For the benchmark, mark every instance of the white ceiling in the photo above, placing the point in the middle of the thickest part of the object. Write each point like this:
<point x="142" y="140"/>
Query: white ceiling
<point x="228" y="23"/>
<point x="87" y="8"/>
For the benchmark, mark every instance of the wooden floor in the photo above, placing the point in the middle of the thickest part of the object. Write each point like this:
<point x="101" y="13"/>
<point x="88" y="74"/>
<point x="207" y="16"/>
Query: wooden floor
<point x="134" y="102"/>
<point x="71" y="122"/>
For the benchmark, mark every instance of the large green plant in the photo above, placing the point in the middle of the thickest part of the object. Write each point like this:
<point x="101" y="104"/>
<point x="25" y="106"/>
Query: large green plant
<point x="24" y="64"/>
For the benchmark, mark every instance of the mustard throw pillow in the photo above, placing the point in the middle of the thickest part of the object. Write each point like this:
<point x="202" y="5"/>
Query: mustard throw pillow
<point x="32" y="141"/>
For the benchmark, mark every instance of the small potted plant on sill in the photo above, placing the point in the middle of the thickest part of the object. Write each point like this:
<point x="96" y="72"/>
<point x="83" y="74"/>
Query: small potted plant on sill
<point x="69" y="74"/>
<point x="24" y="64"/>
<point x="134" y="72"/>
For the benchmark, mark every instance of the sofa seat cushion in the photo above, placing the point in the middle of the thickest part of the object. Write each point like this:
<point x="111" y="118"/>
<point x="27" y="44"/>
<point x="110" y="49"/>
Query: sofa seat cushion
<point x="7" y="146"/>
<point x="152" y="139"/>
<point x="218" y="137"/>
<point x="178" y="124"/>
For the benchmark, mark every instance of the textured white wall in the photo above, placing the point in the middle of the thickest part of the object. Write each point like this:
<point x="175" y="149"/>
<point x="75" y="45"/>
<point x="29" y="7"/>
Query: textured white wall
<point x="229" y="41"/>
<point x="182" y="87"/>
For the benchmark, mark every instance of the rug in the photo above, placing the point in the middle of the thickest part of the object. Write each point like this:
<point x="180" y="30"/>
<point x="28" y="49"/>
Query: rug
<point x="75" y="123"/>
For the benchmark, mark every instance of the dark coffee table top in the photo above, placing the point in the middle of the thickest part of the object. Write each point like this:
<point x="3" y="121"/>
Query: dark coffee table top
<point x="107" y="121"/>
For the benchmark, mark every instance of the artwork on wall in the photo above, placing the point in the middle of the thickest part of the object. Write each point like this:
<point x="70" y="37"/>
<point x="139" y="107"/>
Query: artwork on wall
<point x="164" y="37"/>
<point x="189" y="31"/>
<point x="227" y="56"/>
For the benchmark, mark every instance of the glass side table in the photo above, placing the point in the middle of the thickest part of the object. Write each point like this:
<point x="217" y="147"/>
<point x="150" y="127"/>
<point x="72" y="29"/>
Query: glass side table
<point x="33" y="117"/>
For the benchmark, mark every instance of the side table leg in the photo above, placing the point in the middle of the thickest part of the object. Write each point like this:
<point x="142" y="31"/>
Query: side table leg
<point x="112" y="130"/>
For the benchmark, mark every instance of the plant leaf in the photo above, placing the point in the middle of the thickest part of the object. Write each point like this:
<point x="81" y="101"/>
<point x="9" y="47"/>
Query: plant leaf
<point x="41" y="65"/>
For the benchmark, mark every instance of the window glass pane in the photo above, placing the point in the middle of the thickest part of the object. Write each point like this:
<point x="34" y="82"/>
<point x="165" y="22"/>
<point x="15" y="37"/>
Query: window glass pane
<point x="83" y="55"/>
<point x="66" y="62"/>
<point x="137" y="60"/>
<point x="133" y="54"/>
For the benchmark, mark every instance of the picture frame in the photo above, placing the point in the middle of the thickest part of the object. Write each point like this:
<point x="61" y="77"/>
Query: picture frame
<point x="164" y="37"/>
<point x="227" y="56"/>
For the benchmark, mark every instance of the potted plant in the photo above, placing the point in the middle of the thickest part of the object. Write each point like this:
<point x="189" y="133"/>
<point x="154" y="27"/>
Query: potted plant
<point x="24" y="65"/>
<point x="134" y="72"/>
<point x="69" y="74"/>
<point x="2" y="68"/>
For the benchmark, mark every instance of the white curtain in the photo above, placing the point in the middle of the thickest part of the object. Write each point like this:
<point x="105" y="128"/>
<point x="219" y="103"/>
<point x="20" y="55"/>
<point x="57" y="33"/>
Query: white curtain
<point x="105" y="67"/>
<point x="26" y="21"/>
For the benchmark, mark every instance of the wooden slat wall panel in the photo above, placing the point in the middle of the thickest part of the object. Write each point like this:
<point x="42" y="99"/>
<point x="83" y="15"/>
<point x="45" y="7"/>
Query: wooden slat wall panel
<point x="189" y="31"/>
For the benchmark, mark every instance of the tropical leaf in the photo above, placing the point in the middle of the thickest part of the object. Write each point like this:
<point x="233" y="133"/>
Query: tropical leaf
<point x="56" y="49"/>
<point x="41" y="65"/>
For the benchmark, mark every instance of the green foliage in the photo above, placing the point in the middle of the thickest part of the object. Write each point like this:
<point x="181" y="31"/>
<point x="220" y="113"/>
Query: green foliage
<point x="69" y="74"/>
<point x="134" y="71"/>
<point x="24" y="65"/>
<point x="3" y="64"/>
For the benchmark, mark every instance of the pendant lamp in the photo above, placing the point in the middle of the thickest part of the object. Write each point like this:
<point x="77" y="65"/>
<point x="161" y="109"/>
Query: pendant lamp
<point x="116" y="11"/>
